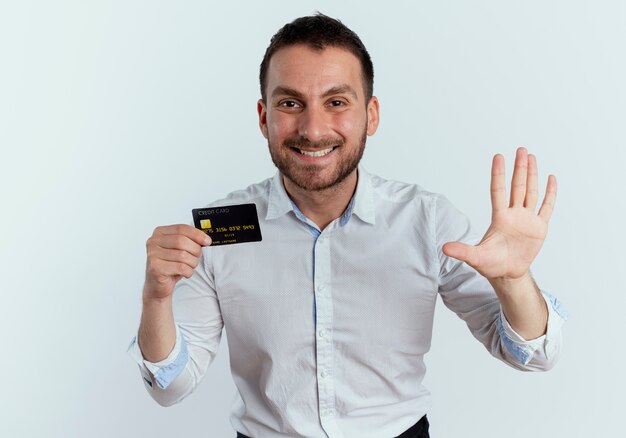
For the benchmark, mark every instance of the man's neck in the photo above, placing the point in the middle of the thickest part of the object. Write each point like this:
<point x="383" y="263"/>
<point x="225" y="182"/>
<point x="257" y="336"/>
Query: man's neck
<point x="323" y="206"/>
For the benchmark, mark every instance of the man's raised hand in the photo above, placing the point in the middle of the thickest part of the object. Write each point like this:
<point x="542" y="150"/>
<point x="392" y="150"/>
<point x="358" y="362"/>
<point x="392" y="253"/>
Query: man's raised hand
<point x="516" y="233"/>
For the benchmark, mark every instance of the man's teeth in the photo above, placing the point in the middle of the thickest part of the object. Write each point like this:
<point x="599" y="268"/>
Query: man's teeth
<point x="316" y="153"/>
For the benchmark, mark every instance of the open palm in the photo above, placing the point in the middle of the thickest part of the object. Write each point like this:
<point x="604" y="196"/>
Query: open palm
<point x="516" y="233"/>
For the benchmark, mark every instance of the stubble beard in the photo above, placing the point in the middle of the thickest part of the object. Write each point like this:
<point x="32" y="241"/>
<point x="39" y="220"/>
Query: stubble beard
<point x="306" y="176"/>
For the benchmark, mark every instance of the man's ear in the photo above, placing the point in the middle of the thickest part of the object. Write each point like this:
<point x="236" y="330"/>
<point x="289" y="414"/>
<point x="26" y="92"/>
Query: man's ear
<point x="373" y="115"/>
<point x="262" y="111"/>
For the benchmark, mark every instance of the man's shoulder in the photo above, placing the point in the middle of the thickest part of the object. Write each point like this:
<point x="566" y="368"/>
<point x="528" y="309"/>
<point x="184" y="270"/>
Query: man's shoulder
<point x="392" y="196"/>
<point x="256" y="193"/>
<point x="400" y="191"/>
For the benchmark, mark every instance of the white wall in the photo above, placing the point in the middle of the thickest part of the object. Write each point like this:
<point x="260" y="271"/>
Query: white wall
<point x="118" y="116"/>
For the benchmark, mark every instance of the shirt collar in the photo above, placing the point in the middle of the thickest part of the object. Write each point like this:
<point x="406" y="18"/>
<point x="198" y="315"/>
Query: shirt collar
<point x="278" y="202"/>
<point x="363" y="198"/>
<point x="361" y="204"/>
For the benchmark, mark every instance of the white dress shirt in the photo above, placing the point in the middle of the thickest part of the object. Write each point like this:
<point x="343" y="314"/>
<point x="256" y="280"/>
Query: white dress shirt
<point x="327" y="330"/>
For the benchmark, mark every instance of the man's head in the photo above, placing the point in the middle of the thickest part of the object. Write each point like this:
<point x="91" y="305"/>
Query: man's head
<point x="319" y="32"/>
<point x="316" y="110"/>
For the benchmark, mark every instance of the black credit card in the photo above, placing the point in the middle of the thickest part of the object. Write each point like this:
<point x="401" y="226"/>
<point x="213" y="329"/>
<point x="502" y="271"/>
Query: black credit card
<point x="228" y="224"/>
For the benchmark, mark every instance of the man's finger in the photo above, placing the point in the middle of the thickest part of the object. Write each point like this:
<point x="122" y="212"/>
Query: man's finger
<point x="177" y="256"/>
<point x="161" y="268"/>
<point x="177" y="242"/>
<point x="461" y="251"/>
<point x="192" y="233"/>
<point x="518" y="182"/>
<point x="498" y="184"/>
<point x="545" y="212"/>
<point x="532" y="187"/>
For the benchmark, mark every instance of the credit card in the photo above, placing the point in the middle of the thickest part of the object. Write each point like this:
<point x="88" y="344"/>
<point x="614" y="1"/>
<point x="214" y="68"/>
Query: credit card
<point x="228" y="224"/>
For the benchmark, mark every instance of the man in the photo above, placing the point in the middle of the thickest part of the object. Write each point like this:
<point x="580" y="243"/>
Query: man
<point x="330" y="315"/>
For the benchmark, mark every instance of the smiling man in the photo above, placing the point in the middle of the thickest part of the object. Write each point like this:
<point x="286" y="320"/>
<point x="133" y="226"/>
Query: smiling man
<point x="316" y="119"/>
<point x="327" y="328"/>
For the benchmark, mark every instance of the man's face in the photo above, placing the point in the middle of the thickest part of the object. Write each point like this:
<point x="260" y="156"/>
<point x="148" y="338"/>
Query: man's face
<point x="316" y="119"/>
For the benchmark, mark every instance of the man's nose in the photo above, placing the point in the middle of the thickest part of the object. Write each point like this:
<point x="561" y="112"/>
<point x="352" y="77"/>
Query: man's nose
<point x="313" y="124"/>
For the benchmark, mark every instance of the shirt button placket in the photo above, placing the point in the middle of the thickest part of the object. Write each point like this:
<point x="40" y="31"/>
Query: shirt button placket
<point x="324" y="324"/>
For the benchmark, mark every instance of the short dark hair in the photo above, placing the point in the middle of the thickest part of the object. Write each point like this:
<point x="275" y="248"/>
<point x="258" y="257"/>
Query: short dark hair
<point x="318" y="32"/>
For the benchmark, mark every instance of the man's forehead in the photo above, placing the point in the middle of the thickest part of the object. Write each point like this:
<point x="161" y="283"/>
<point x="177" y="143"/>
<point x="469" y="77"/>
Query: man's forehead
<point x="300" y="66"/>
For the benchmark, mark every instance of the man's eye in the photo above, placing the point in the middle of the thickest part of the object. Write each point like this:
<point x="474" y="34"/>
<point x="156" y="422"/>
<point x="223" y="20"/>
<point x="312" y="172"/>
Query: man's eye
<point x="288" y="104"/>
<point x="337" y="103"/>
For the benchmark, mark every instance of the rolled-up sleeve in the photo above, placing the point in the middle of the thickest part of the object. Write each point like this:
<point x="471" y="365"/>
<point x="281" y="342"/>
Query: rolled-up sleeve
<point x="540" y="353"/>
<point x="161" y="373"/>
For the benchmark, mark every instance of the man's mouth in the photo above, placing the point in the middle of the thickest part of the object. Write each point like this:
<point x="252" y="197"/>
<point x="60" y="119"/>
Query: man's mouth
<point x="319" y="153"/>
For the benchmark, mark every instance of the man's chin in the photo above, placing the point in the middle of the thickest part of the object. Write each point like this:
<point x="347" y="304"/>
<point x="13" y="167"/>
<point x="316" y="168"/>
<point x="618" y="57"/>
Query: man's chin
<point x="314" y="182"/>
<point x="309" y="184"/>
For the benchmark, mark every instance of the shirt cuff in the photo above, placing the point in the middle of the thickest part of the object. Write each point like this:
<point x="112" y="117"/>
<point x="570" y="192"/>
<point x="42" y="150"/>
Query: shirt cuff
<point x="522" y="349"/>
<point x="164" y="372"/>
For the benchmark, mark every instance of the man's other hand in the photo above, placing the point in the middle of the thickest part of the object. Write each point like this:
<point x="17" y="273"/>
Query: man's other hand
<point x="173" y="252"/>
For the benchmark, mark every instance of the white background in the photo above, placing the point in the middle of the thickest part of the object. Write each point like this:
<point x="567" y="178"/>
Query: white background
<point x="118" y="116"/>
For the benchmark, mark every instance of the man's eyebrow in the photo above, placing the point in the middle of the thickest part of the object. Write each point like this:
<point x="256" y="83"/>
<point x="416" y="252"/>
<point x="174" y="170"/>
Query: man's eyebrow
<point x="341" y="89"/>
<point x="291" y="92"/>
<point x="286" y="91"/>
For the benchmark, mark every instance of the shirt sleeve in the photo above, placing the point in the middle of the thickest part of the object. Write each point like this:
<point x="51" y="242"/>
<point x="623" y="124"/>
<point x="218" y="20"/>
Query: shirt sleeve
<point x="198" y="332"/>
<point x="544" y="349"/>
<point x="161" y="373"/>
<point x="473" y="299"/>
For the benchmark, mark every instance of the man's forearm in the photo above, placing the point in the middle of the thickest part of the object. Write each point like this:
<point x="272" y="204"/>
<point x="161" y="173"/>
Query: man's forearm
<point x="157" y="331"/>
<point x="523" y="305"/>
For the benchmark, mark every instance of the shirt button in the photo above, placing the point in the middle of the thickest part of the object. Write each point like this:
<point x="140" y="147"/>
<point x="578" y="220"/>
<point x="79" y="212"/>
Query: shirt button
<point x="323" y="332"/>
<point x="323" y="374"/>
<point x="321" y="288"/>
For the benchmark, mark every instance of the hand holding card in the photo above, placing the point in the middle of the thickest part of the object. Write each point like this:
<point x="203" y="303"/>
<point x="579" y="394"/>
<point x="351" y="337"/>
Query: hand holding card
<point x="173" y="252"/>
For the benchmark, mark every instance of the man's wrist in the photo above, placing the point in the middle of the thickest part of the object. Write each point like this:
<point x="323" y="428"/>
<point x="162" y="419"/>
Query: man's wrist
<point x="523" y="305"/>
<point x="507" y="286"/>
<point x="152" y="298"/>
